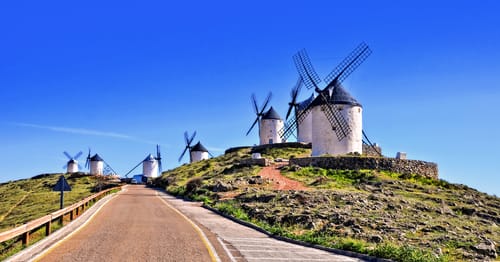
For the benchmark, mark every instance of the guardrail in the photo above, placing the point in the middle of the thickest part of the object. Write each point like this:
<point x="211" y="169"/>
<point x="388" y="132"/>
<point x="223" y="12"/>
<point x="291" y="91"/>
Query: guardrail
<point x="46" y="221"/>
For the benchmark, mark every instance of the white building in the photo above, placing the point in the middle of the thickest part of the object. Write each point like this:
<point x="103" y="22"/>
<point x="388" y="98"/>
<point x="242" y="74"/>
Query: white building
<point x="270" y="124"/>
<point x="304" y="128"/>
<point x="96" y="165"/>
<point x="150" y="166"/>
<point x="324" y="138"/>
<point x="72" y="166"/>
<point x="198" y="152"/>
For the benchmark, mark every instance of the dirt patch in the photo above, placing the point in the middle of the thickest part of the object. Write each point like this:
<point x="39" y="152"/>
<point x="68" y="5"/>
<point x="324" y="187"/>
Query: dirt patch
<point x="279" y="181"/>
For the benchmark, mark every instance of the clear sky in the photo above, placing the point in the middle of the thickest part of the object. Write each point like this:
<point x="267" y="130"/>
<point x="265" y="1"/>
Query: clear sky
<point x="121" y="76"/>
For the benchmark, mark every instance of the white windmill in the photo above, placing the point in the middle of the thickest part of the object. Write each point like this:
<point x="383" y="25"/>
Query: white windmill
<point x="72" y="165"/>
<point x="336" y="115"/>
<point x="197" y="152"/>
<point x="269" y="122"/>
<point x="151" y="166"/>
<point x="95" y="164"/>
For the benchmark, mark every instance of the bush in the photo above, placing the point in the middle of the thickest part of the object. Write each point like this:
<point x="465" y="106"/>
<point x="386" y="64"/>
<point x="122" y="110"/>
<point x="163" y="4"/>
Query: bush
<point x="193" y="184"/>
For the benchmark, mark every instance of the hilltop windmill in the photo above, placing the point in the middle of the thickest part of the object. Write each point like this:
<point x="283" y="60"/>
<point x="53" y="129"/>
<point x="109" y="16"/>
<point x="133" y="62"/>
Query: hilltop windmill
<point x="97" y="165"/>
<point x="151" y="165"/>
<point x="269" y="122"/>
<point x="302" y="125"/>
<point x="197" y="152"/>
<point x="72" y="166"/>
<point x="336" y="115"/>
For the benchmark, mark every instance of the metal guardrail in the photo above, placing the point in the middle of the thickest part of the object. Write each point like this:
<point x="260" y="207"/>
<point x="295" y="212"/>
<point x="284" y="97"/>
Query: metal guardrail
<point x="46" y="221"/>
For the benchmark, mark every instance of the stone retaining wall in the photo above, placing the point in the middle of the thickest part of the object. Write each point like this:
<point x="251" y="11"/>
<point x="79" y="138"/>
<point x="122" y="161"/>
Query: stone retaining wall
<point x="402" y="166"/>
<point x="252" y="161"/>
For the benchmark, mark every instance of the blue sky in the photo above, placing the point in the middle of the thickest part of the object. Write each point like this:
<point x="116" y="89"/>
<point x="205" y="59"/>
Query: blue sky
<point x="121" y="76"/>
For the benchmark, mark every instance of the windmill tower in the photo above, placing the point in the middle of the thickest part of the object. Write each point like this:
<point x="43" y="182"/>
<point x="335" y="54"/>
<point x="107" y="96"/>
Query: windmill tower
<point x="72" y="165"/>
<point x="151" y="166"/>
<point x="197" y="152"/>
<point x="269" y="122"/>
<point x="336" y="115"/>
<point x="95" y="164"/>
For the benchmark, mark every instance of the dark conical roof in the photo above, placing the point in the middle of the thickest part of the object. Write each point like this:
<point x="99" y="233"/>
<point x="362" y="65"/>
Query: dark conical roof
<point x="271" y="114"/>
<point x="149" y="158"/>
<point x="341" y="96"/>
<point x="199" y="147"/>
<point x="302" y="105"/>
<point x="96" y="157"/>
<point x="71" y="161"/>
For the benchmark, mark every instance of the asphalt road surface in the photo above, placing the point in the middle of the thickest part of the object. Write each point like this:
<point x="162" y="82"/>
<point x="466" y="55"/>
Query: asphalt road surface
<point x="136" y="225"/>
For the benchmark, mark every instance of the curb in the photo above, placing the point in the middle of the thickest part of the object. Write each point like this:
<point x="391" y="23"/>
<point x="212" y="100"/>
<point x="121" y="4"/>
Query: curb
<point x="298" y="242"/>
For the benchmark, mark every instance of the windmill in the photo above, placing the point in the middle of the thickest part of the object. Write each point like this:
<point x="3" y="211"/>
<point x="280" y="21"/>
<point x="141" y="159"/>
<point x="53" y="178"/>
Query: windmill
<point x="269" y="122"/>
<point x="72" y="166"/>
<point x="197" y="152"/>
<point x="98" y="166"/>
<point x="332" y="105"/>
<point x="151" y="165"/>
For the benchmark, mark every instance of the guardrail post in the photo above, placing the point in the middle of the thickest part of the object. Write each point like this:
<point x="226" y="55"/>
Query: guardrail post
<point x="48" y="228"/>
<point x="26" y="238"/>
<point x="71" y="215"/>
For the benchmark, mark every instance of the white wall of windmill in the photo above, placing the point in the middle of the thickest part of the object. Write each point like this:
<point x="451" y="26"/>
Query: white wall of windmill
<point x="150" y="168"/>
<point x="304" y="129"/>
<point x="268" y="132"/>
<point x="198" y="156"/>
<point x="96" y="167"/>
<point x="324" y="138"/>
<point x="72" y="167"/>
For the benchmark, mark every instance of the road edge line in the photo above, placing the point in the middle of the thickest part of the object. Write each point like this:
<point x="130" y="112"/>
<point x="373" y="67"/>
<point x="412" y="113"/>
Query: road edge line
<point x="208" y="245"/>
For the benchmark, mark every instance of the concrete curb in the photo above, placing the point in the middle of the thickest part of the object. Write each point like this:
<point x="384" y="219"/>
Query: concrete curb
<point x="298" y="242"/>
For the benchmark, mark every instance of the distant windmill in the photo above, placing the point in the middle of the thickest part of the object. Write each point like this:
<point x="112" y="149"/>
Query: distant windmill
<point x="151" y="165"/>
<point x="97" y="165"/>
<point x="197" y="152"/>
<point x="335" y="113"/>
<point x="72" y="166"/>
<point x="269" y="122"/>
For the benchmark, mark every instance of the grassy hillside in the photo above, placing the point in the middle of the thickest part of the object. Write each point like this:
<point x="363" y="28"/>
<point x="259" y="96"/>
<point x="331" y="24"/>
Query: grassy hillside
<point x="406" y="218"/>
<point x="28" y="199"/>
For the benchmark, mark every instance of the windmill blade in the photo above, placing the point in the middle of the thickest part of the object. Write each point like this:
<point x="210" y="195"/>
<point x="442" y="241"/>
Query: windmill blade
<point x="126" y="175"/>
<point x="254" y="123"/>
<point x="348" y="65"/>
<point x="254" y="103"/>
<point x="266" y="102"/>
<point x="67" y="155"/>
<point x="87" y="162"/>
<point x="158" y="158"/>
<point x="210" y="154"/>
<point x="335" y="117"/>
<point x="293" y="94"/>
<point x="183" y="152"/>
<point x="78" y="155"/>
<point x="306" y="70"/>
<point x="108" y="166"/>
<point x="186" y="137"/>
<point x="370" y="143"/>
<point x="65" y="166"/>
<point x="288" y="129"/>
<point x="192" y="138"/>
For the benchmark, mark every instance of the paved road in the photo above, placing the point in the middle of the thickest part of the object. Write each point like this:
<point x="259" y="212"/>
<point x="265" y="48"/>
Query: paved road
<point x="246" y="244"/>
<point x="142" y="224"/>
<point x="134" y="226"/>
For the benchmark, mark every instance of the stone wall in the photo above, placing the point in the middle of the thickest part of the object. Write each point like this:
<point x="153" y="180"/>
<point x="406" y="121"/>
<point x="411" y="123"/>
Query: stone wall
<point x="402" y="166"/>
<point x="253" y="161"/>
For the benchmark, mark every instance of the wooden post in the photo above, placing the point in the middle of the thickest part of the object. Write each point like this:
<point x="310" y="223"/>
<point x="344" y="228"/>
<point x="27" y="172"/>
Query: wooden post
<point x="77" y="210"/>
<point x="26" y="238"/>
<point x="48" y="228"/>
<point x="71" y="215"/>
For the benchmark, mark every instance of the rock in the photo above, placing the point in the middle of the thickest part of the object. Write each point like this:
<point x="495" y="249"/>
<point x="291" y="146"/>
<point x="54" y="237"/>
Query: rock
<point x="255" y="180"/>
<point x="487" y="247"/>
<point x="376" y="239"/>
<point x="222" y="187"/>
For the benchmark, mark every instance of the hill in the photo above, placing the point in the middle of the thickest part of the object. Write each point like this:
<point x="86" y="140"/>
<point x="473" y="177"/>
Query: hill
<point x="389" y="215"/>
<point x="28" y="199"/>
